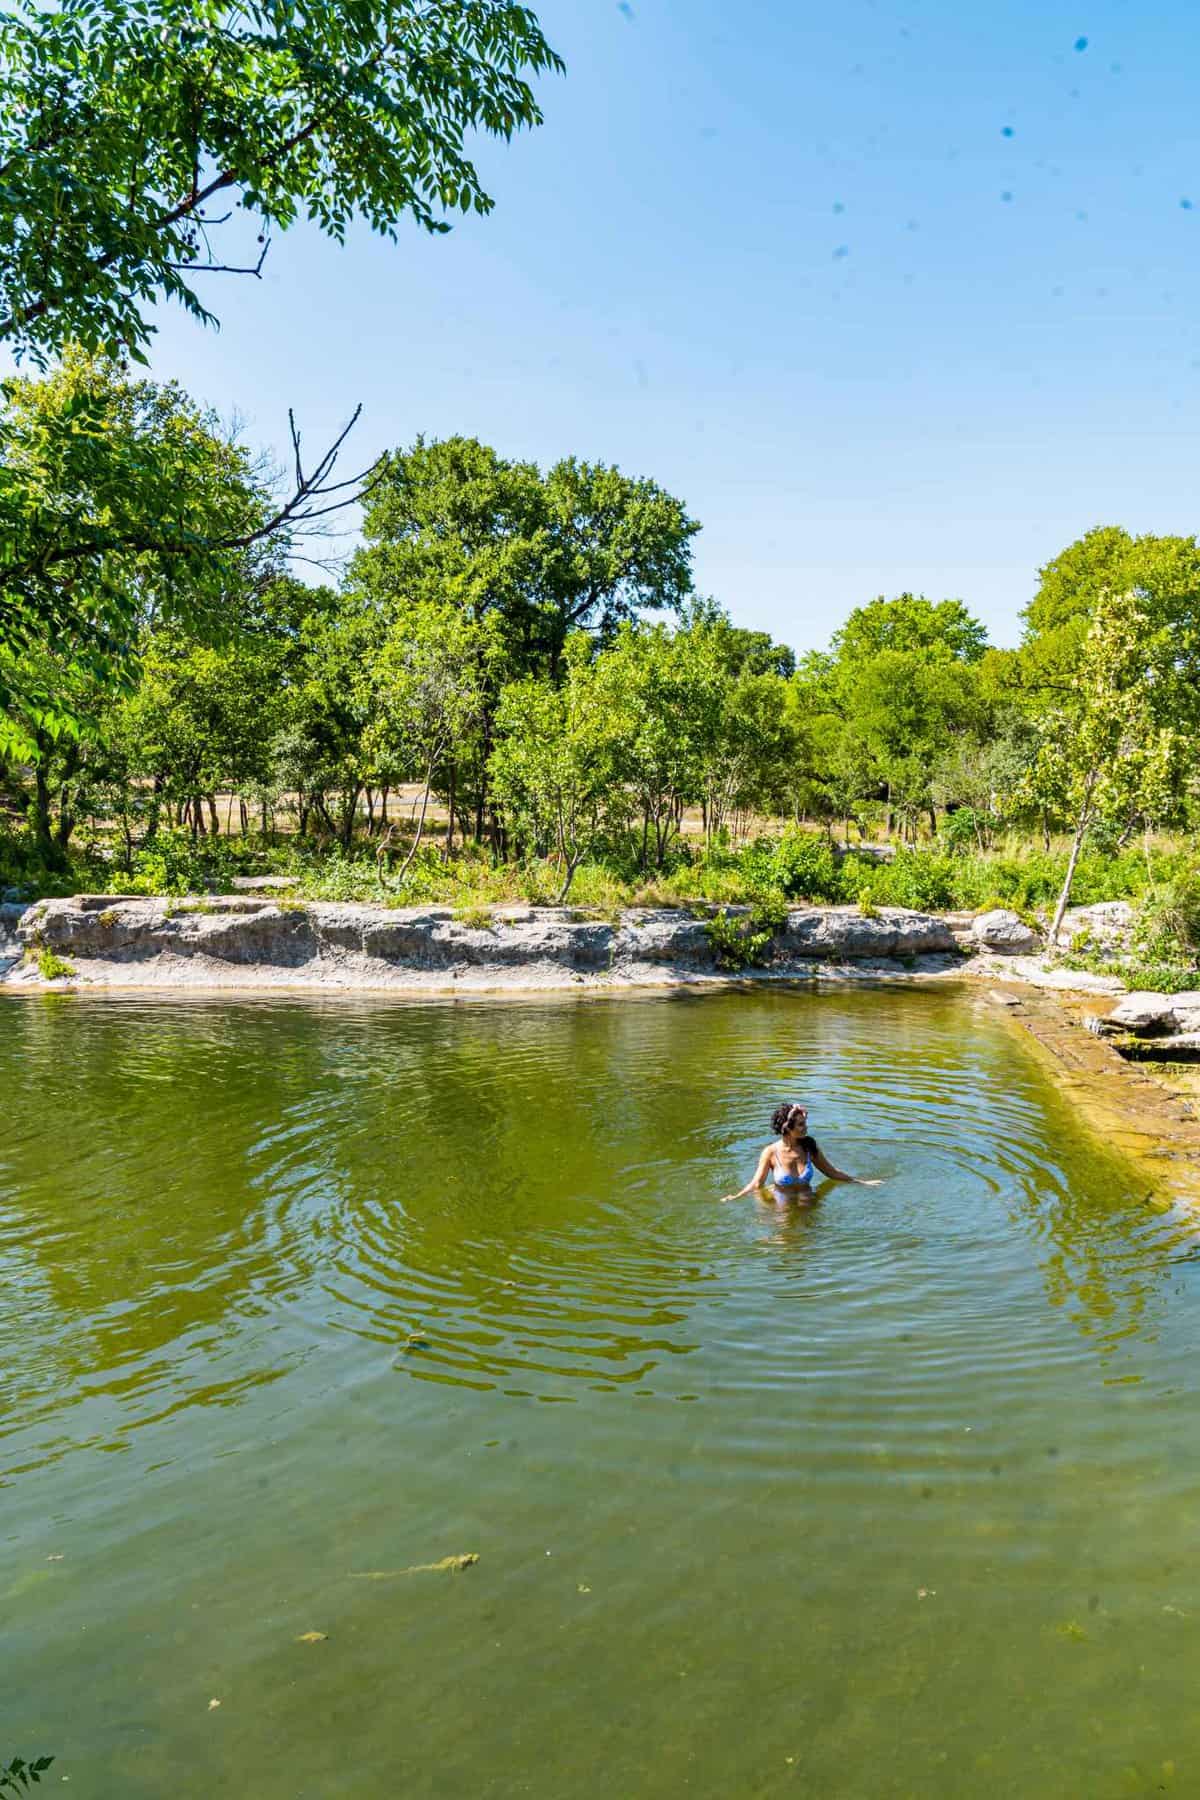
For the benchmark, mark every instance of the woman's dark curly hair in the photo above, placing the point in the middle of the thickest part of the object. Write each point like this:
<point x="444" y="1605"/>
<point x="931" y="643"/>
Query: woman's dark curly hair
<point x="782" y="1115"/>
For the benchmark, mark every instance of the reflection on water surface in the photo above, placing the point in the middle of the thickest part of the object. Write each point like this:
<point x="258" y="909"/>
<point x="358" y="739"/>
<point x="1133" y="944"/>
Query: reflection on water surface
<point x="891" y="1494"/>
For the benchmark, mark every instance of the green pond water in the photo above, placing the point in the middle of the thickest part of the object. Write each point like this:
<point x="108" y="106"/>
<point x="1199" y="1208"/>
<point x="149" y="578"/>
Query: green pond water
<point x="896" y="1494"/>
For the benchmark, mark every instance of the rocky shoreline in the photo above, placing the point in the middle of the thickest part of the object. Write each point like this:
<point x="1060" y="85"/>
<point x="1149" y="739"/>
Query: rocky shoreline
<point x="268" y="941"/>
<point x="265" y="943"/>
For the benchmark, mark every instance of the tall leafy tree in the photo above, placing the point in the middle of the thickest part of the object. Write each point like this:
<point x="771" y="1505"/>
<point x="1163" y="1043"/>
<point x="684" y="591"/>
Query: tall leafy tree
<point x="581" y="548"/>
<point x="941" y="629"/>
<point x="1109" y="747"/>
<point x="1163" y="573"/>
<point x="144" y="142"/>
<point x="557" y="762"/>
<point x="121" y="503"/>
<point x="431" y="678"/>
<point x="901" y="683"/>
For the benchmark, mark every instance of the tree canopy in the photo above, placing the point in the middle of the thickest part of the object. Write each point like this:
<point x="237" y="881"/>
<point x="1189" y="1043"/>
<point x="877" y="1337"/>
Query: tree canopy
<point x="120" y="501"/>
<point x="940" y="628"/>
<point x="581" y="548"/>
<point x="145" y="142"/>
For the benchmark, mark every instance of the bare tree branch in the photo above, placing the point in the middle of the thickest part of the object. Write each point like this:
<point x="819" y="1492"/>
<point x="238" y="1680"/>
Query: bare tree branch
<point x="215" y="268"/>
<point x="303" y="507"/>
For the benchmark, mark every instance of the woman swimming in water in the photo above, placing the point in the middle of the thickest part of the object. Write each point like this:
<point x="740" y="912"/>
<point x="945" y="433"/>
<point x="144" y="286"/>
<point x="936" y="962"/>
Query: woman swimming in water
<point x="790" y="1162"/>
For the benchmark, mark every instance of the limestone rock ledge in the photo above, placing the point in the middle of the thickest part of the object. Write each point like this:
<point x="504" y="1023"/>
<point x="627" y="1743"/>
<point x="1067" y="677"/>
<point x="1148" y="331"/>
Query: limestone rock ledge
<point x="244" y="941"/>
<point x="1154" y="1025"/>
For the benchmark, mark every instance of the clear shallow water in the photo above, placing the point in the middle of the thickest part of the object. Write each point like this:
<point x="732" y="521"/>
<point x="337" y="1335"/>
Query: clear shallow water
<point x="894" y="1495"/>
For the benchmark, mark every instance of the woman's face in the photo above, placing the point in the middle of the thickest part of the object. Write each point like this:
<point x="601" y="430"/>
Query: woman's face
<point x="798" y="1123"/>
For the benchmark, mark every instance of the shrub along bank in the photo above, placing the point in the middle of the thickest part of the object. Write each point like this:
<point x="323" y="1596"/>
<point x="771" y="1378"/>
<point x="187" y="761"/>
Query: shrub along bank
<point x="798" y="867"/>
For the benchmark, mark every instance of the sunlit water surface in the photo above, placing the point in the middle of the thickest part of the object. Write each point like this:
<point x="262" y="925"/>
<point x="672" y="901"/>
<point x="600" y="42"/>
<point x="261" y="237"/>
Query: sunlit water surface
<point x="897" y="1494"/>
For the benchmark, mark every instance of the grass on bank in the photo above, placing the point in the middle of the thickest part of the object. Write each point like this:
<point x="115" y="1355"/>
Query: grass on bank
<point x="797" y="866"/>
<point x="1161" y="880"/>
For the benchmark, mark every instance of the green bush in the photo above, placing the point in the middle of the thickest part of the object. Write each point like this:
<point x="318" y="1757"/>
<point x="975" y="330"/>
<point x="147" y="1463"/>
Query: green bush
<point x="1167" y="926"/>
<point x="52" y="967"/>
<point x="744" y="941"/>
<point x="177" y="863"/>
<point x="23" y="869"/>
<point x="799" y="865"/>
<point x="920" y="879"/>
<point x="961" y="829"/>
<point x="1158" y="978"/>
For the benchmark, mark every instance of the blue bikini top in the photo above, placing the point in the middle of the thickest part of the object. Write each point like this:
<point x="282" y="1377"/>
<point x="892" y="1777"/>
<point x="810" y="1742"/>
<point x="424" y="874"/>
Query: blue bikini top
<point x="805" y="1175"/>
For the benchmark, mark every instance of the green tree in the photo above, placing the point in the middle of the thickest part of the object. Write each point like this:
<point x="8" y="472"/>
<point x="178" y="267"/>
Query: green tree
<point x="666" y="689"/>
<point x="143" y="144"/>
<point x="581" y="548"/>
<point x="323" y="749"/>
<point x="556" y="765"/>
<point x="740" y="649"/>
<point x="431" y="679"/>
<point x="1164" y="574"/>
<point x="753" y="759"/>
<point x="942" y="629"/>
<point x="901" y="682"/>
<point x="615" y="546"/>
<point x="201" y="721"/>
<point x="1109" y="748"/>
<point x="121" y="503"/>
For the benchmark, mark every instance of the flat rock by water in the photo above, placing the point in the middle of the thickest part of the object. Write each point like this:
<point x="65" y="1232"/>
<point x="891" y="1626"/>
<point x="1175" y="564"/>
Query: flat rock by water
<point x="1004" y="932"/>
<point x="252" y="939"/>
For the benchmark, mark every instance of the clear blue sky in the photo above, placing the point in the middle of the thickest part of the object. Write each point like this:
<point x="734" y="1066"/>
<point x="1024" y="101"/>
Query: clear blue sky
<point x="784" y="258"/>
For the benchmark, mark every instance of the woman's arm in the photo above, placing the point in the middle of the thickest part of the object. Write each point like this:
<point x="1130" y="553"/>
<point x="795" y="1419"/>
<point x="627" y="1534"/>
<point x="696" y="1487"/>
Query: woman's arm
<point x="822" y="1162"/>
<point x="758" y="1179"/>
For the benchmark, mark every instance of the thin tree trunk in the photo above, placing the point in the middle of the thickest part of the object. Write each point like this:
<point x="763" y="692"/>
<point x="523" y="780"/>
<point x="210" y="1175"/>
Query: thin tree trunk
<point x="324" y="817"/>
<point x="1076" y="845"/>
<point x="155" y="809"/>
<point x="1126" y="837"/>
<point x="349" y="814"/>
<point x="416" y="843"/>
<point x="485" y="752"/>
<point x="449" y="844"/>
<point x="214" y="822"/>
<point x="41" y="809"/>
<point x="66" y="823"/>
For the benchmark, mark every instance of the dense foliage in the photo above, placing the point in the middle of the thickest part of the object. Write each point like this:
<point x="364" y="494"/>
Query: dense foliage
<point x="515" y="691"/>
<point x="144" y="146"/>
<point x="145" y="143"/>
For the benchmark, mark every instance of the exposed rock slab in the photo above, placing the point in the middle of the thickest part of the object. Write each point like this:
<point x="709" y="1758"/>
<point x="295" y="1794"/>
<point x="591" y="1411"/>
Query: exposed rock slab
<point x="1003" y="932"/>
<point x="1032" y="971"/>
<point x="1131" y="1110"/>
<point x="843" y="933"/>
<point x="11" y="945"/>
<point x="262" y="940"/>
<point x="1168" y="1024"/>
<point x="1107" y="925"/>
